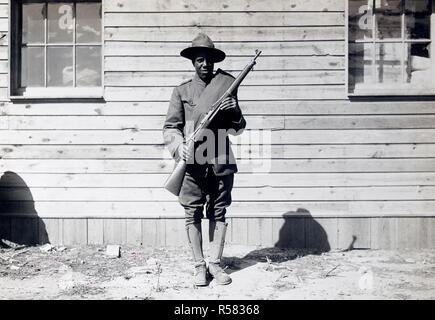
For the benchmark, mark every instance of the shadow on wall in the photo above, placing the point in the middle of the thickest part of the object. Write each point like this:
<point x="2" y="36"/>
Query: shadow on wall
<point x="19" y="221"/>
<point x="299" y="236"/>
<point x="301" y="231"/>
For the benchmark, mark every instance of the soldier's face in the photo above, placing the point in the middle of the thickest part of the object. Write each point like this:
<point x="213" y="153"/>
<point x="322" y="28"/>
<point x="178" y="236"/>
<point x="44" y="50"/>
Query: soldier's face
<point x="203" y="65"/>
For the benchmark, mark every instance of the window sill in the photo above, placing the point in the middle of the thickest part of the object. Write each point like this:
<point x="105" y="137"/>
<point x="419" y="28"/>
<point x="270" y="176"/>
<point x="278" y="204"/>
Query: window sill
<point x="392" y="90"/>
<point x="58" y="93"/>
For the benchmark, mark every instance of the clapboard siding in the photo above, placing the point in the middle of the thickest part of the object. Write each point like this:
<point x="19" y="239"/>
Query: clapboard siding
<point x="225" y="33"/>
<point x="241" y="194"/>
<point x="245" y="165"/>
<point x="167" y="63"/>
<point x="300" y="232"/>
<point x="211" y="19"/>
<point x="288" y="151"/>
<point x="270" y="48"/>
<point x="135" y="136"/>
<point x="243" y="180"/>
<point x="254" y="122"/>
<point x="306" y="107"/>
<point x="259" y="78"/>
<point x="212" y="5"/>
<point x="161" y="210"/>
<point x="93" y="171"/>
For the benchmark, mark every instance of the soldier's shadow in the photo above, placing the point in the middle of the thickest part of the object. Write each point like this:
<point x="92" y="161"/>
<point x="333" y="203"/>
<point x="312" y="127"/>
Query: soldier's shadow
<point x="299" y="236"/>
<point x="19" y="221"/>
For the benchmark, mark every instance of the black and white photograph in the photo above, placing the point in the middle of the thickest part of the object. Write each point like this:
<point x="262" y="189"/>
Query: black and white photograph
<point x="217" y="150"/>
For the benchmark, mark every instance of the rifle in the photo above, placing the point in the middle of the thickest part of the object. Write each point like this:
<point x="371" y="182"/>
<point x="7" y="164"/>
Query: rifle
<point x="175" y="180"/>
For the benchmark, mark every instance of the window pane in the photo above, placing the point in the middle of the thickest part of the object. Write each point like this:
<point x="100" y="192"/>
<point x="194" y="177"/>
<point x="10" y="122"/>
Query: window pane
<point x="32" y="67"/>
<point x="388" y="18"/>
<point x="360" y="63"/>
<point x="417" y="17"/>
<point x="88" y="22"/>
<point x="360" y="20"/>
<point x="60" y="22"/>
<point x="60" y="66"/>
<point x="88" y="66"/>
<point x="418" y="64"/>
<point x="388" y="67"/>
<point x="33" y="23"/>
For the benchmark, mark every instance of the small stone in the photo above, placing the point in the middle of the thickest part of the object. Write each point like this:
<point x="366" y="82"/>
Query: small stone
<point x="46" y="248"/>
<point x="60" y="249"/>
<point x="113" y="251"/>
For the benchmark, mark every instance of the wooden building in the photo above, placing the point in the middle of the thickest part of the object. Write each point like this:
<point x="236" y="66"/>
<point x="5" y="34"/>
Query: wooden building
<point x="345" y="87"/>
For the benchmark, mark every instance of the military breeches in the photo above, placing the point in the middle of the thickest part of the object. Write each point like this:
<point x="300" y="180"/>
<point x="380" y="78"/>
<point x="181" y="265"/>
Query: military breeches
<point x="212" y="191"/>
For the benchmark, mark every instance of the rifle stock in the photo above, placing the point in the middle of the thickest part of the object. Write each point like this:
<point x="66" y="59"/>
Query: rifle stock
<point x="174" y="182"/>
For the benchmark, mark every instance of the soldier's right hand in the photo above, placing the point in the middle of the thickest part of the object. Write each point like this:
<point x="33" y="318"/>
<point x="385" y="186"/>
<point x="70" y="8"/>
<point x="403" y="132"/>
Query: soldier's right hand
<point x="186" y="153"/>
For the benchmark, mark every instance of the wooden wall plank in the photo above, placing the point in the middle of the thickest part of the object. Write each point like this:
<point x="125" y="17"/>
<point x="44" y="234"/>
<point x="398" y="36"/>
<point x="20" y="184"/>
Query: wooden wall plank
<point x="145" y="180"/>
<point x="245" y="166"/>
<point x="133" y="136"/>
<point x="115" y="231"/>
<point x="149" y="232"/>
<point x="118" y="123"/>
<point x="4" y="24"/>
<point x="239" y="231"/>
<point x="239" y="34"/>
<point x="135" y="209"/>
<point x="153" y="232"/>
<point x="224" y="19"/>
<point x="4" y="10"/>
<point x="134" y="231"/>
<point x="50" y="231"/>
<point x="354" y="233"/>
<point x="279" y="48"/>
<point x="232" y="65"/>
<point x="323" y="151"/>
<point x="241" y="194"/>
<point x="4" y="77"/>
<point x="408" y="230"/>
<point x="427" y="239"/>
<point x="383" y="232"/>
<point x="253" y="122"/>
<point x="210" y="5"/>
<point x="95" y="228"/>
<point x="266" y="232"/>
<point x="379" y="232"/>
<point x="305" y="107"/>
<point x="175" y="231"/>
<point x="254" y="232"/>
<point x="263" y="78"/>
<point x="249" y="92"/>
<point x="75" y="231"/>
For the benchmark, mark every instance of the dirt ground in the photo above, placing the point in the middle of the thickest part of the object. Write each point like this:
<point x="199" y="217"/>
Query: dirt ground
<point x="87" y="272"/>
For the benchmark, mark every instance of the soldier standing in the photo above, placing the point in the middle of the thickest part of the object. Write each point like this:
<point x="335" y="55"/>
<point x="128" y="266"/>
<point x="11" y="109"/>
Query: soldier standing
<point x="205" y="184"/>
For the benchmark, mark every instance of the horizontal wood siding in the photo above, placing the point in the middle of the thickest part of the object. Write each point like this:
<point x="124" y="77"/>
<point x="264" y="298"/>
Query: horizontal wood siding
<point x="323" y="234"/>
<point x="335" y="169"/>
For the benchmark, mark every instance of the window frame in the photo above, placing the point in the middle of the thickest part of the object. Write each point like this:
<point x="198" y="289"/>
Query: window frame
<point x="15" y="33"/>
<point x="388" y="89"/>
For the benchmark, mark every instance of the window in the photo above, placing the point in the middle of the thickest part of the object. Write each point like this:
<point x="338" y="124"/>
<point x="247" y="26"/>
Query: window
<point x="390" y="47"/>
<point x="56" y="49"/>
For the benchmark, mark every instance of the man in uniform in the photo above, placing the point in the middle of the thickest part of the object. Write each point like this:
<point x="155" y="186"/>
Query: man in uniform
<point x="208" y="183"/>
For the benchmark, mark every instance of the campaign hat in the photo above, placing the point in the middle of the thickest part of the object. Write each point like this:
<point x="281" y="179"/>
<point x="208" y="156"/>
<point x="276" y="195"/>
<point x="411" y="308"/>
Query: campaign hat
<point x="203" y="43"/>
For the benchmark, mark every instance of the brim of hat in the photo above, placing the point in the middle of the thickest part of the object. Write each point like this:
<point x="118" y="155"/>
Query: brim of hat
<point x="216" y="54"/>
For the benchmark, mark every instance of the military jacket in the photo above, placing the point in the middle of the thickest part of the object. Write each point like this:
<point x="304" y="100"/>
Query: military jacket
<point x="179" y="125"/>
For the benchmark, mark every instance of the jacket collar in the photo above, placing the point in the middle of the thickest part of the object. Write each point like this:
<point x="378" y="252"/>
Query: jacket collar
<point x="198" y="81"/>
